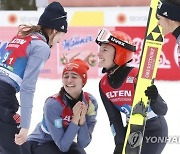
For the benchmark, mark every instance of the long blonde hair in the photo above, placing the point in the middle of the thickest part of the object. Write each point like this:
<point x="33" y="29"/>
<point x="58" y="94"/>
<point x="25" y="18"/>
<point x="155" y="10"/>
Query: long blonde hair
<point x="26" y="30"/>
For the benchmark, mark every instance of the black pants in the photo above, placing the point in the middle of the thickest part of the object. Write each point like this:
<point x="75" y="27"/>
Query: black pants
<point x="32" y="147"/>
<point x="155" y="129"/>
<point x="7" y="134"/>
<point x="8" y="126"/>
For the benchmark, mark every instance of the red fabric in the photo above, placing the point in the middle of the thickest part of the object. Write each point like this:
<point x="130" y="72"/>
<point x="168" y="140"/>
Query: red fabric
<point x="17" y="118"/>
<point x="125" y="93"/>
<point x="67" y="111"/>
<point x="178" y="53"/>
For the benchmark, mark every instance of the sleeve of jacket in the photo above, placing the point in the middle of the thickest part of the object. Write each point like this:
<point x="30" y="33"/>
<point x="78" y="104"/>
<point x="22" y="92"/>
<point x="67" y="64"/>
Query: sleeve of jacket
<point x="115" y="119"/>
<point x="62" y="138"/>
<point x="39" y="52"/>
<point x="159" y="106"/>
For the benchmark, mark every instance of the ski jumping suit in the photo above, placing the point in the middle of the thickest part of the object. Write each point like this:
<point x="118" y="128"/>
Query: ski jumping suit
<point x="117" y="92"/>
<point x="20" y="64"/>
<point x="56" y="133"/>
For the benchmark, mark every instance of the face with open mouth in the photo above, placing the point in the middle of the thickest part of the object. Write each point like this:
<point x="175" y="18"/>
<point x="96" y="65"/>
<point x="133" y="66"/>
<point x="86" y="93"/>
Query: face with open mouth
<point x="106" y="56"/>
<point x="72" y="83"/>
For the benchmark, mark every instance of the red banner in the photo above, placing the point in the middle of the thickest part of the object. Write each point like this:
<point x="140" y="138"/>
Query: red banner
<point x="79" y="43"/>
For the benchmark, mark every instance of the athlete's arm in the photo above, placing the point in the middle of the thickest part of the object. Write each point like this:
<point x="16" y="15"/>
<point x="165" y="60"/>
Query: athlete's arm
<point x="159" y="106"/>
<point x="115" y="119"/>
<point x="53" y="117"/>
<point x="38" y="55"/>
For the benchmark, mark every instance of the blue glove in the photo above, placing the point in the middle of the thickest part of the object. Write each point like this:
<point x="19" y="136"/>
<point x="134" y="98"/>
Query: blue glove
<point x="151" y="92"/>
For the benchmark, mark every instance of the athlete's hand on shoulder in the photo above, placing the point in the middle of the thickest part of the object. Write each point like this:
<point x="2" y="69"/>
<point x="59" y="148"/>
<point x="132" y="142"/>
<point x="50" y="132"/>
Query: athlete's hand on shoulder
<point x="21" y="137"/>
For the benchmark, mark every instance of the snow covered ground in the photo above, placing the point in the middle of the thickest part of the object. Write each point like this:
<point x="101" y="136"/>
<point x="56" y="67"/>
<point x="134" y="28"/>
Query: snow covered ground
<point x="102" y="141"/>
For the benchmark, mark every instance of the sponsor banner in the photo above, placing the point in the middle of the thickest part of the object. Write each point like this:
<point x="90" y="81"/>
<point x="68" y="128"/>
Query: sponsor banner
<point x="15" y="18"/>
<point x="168" y="65"/>
<point x="100" y="16"/>
<point x="79" y="42"/>
<point x="126" y="16"/>
<point x="84" y="24"/>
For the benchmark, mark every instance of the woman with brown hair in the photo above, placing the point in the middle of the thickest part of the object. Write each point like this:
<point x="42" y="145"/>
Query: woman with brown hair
<point x="69" y="116"/>
<point x="117" y="89"/>
<point x="20" y="65"/>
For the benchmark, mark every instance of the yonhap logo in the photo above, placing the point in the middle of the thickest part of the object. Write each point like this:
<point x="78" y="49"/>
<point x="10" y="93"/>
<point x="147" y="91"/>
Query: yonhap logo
<point x="135" y="139"/>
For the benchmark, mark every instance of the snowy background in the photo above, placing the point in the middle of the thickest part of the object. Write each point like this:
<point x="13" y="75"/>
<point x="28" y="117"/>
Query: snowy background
<point x="102" y="141"/>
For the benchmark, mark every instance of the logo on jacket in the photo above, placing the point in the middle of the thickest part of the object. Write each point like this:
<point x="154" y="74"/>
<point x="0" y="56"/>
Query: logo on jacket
<point x="118" y="93"/>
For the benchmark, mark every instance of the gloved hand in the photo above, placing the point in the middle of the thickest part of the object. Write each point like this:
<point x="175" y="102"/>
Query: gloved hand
<point x="151" y="92"/>
<point x="118" y="149"/>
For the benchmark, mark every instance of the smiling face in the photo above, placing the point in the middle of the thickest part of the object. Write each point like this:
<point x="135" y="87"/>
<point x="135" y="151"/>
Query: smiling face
<point x="106" y="56"/>
<point x="72" y="83"/>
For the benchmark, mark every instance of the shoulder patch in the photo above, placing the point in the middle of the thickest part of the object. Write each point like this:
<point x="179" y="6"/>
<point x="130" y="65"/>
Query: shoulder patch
<point x="91" y="109"/>
<point x="58" y="123"/>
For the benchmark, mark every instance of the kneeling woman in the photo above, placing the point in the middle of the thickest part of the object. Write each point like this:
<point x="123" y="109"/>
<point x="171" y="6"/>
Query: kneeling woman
<point x="69" y="116"/>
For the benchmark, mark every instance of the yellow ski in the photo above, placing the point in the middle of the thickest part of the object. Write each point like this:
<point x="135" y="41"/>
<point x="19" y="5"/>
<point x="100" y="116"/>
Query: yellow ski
<point x="147" y="72"/>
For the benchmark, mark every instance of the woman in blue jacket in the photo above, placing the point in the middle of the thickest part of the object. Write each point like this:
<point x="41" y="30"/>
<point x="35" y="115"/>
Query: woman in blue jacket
<point x="20" y="64"/>
<point x="69" y="116"/>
